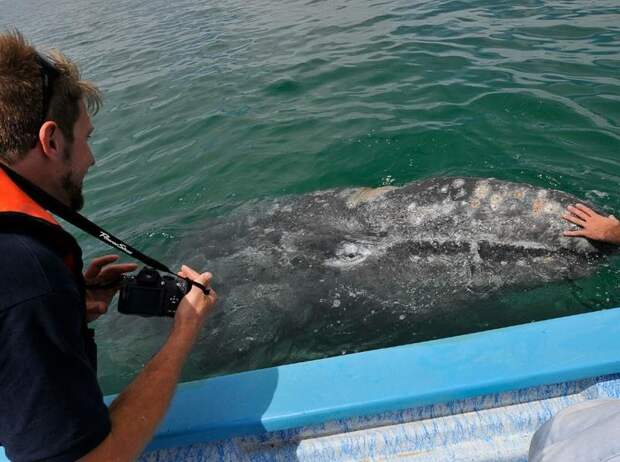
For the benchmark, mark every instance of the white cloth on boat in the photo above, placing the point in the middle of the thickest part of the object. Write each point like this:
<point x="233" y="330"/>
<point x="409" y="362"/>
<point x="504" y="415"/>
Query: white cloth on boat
<point x="584" y="432"/>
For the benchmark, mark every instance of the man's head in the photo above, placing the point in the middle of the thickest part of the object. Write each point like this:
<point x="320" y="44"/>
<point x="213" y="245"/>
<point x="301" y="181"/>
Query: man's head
<point x="49" y="145"/>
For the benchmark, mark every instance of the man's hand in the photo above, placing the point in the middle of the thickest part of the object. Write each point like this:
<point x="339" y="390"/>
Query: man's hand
<point x="138" y="409"/>
<point x="195" y="306"/>
<point x="592" y="225"/>
<point x="102" y="273"/>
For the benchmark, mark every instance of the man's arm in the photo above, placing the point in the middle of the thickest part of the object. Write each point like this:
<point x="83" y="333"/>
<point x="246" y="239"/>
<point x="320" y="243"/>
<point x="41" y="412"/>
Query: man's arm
<point x="137" y="411"/>
<point x="592" y="225"/>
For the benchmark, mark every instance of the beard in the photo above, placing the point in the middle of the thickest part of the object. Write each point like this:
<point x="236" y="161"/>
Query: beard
<point x="72" y="186"/>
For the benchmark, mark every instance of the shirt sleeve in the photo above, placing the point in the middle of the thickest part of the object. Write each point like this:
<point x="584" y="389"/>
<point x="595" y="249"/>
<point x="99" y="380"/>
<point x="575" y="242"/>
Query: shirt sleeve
<point x="51" y="406"/>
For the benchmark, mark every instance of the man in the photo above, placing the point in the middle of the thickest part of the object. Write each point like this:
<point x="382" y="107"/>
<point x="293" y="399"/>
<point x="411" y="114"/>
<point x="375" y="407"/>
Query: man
<point x="586" y="431"/>
<point x="51" y="406"/>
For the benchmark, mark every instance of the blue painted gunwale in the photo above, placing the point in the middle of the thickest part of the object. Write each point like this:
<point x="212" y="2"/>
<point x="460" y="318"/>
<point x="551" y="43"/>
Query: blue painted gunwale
<point x="314" y="392"/>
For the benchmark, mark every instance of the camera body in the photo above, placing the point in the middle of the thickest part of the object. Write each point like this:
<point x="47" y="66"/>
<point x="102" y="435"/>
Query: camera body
<point x="151" y="294"/>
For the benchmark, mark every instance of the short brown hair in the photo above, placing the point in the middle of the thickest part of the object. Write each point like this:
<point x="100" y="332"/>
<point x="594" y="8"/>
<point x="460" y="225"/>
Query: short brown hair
<point x="21" y="96"/>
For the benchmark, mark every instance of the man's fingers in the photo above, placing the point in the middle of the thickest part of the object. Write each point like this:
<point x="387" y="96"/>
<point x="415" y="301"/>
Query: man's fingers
<point x="585" y="209"/>
<point x="574" y="219"/>
<point x="121" y="268"/>
<point x="114" y="274"/>
<point x="95" y="266"/>
<point x="105" y="260"/>
<point x="578" y="212"/>
<point x="212" y="296"/>
<point x="204" y="278"/>
<point x="189" y="273"/>
<point x="110" y="273"/>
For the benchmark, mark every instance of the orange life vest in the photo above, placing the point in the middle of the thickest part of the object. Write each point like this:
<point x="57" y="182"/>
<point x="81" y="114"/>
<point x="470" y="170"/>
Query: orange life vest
<point x="15" y="201"/>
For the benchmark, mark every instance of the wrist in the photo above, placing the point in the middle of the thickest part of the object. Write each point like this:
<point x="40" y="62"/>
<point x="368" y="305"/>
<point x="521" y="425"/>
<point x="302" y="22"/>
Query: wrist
<point x="608" y="232"/>
<point x="185" y="330"/>
<point x="613" y="235"/>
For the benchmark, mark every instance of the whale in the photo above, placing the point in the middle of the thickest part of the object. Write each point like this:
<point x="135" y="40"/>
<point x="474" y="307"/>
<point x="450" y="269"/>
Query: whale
<point x="296" y="274"/>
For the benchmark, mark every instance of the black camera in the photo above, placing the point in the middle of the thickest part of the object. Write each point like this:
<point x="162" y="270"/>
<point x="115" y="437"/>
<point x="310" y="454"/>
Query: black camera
<point x="151" y="294"/>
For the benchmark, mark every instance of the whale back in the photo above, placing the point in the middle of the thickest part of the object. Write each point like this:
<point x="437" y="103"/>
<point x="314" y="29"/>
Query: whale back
<point x="362" y="259"/>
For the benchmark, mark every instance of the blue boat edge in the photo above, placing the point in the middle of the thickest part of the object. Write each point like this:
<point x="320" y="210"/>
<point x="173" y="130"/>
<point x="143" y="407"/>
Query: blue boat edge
<point x="298" y="395"/>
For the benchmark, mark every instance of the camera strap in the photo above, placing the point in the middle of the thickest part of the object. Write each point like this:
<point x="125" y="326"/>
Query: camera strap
<point x="68" y="214"/>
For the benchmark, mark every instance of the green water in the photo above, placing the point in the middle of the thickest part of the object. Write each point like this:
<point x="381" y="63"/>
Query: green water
<point x="211" y="104"/>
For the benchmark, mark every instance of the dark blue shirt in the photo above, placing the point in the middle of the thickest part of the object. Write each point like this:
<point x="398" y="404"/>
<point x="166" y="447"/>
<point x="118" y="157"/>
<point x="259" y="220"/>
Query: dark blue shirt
<point x="51" y="406"/>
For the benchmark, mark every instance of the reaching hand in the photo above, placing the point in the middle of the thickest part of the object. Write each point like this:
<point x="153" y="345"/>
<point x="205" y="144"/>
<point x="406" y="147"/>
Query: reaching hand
<point x="102" y="273"/>
<point x="592" y="225"/>
<point x="195" y="306"/>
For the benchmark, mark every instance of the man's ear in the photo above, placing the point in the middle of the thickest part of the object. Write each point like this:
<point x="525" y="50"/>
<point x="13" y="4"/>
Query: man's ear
<point x="50" y="139"/>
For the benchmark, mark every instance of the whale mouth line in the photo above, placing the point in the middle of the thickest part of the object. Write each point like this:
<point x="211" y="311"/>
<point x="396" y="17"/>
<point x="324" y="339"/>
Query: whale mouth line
<point x="350" y="254"/>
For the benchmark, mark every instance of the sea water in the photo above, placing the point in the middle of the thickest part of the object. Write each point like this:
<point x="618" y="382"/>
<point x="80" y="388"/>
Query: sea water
<point x="210" y="105"/>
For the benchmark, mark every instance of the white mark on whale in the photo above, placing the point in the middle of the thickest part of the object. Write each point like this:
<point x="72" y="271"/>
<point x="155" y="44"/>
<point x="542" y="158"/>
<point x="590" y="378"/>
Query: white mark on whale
<point x="349" y="254"/>
<point x="365" y="195"/>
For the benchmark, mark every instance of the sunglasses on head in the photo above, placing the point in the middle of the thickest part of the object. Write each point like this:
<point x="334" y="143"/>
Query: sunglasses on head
<point x="49" y="74"/>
